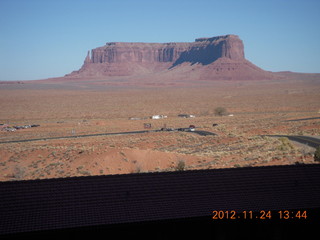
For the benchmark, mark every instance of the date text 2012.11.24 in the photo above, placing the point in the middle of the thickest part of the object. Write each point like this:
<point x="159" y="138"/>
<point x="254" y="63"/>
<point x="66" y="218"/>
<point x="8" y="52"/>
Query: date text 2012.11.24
<point x="261" y="215"/>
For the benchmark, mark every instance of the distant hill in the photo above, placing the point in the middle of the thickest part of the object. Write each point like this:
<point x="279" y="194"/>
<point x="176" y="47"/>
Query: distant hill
<point x="215" y="58"/>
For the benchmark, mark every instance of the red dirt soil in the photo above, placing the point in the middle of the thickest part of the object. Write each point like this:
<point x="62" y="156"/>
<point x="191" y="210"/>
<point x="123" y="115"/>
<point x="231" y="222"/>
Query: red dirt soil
<point x="64" y="108"/>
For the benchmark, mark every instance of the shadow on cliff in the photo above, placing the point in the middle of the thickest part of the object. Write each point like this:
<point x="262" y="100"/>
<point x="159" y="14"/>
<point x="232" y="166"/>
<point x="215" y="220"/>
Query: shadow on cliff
<point x="196" y="55"/>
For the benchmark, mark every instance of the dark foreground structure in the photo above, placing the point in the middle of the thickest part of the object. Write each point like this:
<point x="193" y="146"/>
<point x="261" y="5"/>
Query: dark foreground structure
<point x="277" y="202"/>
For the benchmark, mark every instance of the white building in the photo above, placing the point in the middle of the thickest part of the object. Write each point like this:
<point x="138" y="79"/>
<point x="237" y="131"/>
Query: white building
<point x="158" y="117"/>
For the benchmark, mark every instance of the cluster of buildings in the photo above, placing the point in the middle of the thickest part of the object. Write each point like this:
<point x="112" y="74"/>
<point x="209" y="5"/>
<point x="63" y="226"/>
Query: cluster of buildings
<point x="162" y="117"/>
<point x="158" y="117"/>
<point x="7" y="128"/>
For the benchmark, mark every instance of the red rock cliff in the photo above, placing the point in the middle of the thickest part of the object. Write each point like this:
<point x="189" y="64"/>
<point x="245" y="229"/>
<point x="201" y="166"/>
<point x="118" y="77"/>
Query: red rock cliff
<point x="203" y="50"/>
<point x="127" y="59"/>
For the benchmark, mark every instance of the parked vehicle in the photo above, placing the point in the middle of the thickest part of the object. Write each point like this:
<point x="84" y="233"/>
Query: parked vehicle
<point x="192" y="128"/>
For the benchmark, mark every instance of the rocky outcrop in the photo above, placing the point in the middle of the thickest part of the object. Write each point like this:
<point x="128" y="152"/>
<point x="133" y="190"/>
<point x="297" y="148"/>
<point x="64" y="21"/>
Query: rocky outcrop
<point x="136" y="59"/>
<point x="137" y="52"/>
<point x="203" y="50"/>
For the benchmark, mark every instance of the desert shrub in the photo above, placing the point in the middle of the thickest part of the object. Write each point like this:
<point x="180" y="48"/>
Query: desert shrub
<point x="181" y="165"/>
<point x="285" y="144"/>
<point x="138" y="169"/>
<point x="220" y="111"/>
<point x="19" y="172"/>
<point x="306" y="151"/>
<point x="317" y="154"/>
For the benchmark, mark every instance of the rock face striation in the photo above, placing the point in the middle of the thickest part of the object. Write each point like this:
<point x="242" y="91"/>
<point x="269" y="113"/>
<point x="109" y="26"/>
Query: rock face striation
<point x="219" y="57"/>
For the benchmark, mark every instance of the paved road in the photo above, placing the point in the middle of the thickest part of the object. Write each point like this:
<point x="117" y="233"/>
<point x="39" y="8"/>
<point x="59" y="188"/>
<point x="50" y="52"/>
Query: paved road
<point x="78" y="136"/>
<point x="301" y="119"/>
<point x="204" y="133"/>
<point x="310" y="141"/>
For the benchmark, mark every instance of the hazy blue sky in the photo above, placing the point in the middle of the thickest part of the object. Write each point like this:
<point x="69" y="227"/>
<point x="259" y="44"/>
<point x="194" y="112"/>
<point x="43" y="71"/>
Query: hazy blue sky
<point x="50" y="38"/>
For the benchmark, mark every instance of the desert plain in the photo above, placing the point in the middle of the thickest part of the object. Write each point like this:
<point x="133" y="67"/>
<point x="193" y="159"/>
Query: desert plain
<point x="62" y="108"/>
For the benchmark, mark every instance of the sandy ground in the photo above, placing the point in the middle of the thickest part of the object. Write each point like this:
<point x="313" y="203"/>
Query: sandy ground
<point x="65" y="109"/>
